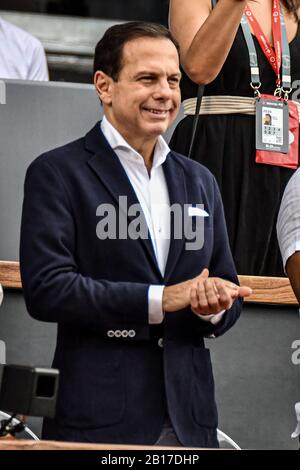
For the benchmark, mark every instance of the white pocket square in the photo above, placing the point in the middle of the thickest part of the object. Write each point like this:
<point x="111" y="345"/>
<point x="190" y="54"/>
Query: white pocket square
<point x="197" y="211"/>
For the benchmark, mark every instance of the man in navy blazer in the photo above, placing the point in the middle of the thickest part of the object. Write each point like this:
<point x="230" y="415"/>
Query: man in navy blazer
<point x="131" y="295"/>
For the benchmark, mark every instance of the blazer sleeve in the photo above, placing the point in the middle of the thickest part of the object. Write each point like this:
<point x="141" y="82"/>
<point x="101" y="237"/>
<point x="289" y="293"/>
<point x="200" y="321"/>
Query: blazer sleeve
<point x="54" y="289"/>
<point x="222" y="265"/>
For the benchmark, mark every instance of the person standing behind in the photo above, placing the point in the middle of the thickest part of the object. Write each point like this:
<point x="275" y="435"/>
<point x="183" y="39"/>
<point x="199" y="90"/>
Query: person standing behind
<point x="22" y="56"/>
<point x="214" y="53"/>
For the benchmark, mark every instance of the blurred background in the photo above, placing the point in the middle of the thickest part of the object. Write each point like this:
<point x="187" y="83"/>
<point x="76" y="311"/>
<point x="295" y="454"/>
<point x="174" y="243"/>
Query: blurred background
<point x="70" y="30"/>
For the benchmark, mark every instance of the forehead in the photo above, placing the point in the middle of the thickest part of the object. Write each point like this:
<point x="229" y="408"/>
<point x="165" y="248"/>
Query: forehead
<point x="150" y="52"/>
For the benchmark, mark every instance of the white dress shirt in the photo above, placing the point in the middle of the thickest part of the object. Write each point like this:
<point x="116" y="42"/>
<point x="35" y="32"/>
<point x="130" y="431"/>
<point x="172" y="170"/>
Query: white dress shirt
<point x="152" y="194"/>
<point x="288" y="223"/>
<point x="21" y="55"/>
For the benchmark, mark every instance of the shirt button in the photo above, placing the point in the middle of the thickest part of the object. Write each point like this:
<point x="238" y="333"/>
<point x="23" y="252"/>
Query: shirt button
<point x="160" y="342"/>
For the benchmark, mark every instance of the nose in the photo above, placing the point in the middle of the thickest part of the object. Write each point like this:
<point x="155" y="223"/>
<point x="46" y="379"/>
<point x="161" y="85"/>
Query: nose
<point x="163" y="90"/>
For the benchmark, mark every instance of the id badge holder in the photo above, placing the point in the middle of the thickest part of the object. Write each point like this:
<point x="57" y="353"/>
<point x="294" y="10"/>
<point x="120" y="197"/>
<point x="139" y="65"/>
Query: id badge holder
<point x="272" y="124"/>
<point x="274" y="129"/>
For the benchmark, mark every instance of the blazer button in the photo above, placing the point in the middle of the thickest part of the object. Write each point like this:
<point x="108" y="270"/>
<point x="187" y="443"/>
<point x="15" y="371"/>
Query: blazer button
<point x="110" y="333"/>
<point x="118" y="333"/>
<point x="131" y="333"/>
<point x="160" y="342"/>
<point x="124" y="333"/>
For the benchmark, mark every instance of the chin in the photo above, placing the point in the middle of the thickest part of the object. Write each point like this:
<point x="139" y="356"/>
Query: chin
<point x="158" y="129"/>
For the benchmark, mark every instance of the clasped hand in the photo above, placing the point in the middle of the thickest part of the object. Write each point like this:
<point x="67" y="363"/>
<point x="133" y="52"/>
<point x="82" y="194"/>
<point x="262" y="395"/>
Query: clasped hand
<point x="206" y="295"/>
<point x="211" y="295"/>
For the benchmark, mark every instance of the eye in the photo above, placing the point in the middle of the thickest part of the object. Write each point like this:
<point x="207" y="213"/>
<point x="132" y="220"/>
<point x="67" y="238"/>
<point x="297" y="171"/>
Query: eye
<point x="146" y="78"/>
<point x="174" y="81"/>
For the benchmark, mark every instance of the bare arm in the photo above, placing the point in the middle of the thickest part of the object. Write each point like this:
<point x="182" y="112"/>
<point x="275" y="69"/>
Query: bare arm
<point x="205" y="36"/>
<point x="293" y="272"/>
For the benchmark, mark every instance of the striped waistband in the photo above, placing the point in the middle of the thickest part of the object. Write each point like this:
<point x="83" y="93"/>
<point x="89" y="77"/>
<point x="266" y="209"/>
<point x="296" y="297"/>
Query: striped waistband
<point x="223" y="105"/>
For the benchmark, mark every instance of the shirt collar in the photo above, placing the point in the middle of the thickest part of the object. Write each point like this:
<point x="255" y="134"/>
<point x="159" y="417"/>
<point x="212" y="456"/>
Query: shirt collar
<point x="116" y="141"/>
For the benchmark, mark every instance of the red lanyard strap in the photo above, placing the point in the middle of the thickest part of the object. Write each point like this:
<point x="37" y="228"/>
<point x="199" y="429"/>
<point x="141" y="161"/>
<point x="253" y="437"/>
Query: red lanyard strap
<point x="274" y="58"/>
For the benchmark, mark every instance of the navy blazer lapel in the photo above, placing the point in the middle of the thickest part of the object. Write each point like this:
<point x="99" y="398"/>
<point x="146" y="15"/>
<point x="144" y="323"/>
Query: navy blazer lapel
<point x="176" y="183"/>
<point x="106" y="164"/>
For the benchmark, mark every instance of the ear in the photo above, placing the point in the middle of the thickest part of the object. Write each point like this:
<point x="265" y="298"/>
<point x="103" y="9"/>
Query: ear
<point x="103" y="84"/>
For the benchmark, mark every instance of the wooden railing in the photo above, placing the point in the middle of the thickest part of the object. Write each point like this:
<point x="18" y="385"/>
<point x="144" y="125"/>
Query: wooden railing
<point x="10" y="275"/>
<point x="17" y="444"/>
<point x="271" y="290"/>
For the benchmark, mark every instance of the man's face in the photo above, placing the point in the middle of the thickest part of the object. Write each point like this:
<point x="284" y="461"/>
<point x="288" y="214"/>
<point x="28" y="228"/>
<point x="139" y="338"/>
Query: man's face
<point x="145" y="100"/>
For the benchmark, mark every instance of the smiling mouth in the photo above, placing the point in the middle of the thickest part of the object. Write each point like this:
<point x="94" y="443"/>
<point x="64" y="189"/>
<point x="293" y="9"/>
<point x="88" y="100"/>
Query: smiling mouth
<point x="159" y="112"/>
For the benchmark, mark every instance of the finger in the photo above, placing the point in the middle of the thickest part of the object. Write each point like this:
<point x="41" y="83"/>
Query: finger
<point x="232" y="289"/>
<point x="202" y="299"/>
<point x="194" y="298"/>
<point x="204" y="273"/>
<point x="245" y="291"/>
<point x="195" y="301"/>
<point x="225" y="298"/>
<point x="231" y="285"/>
<point x="212" y="296"/>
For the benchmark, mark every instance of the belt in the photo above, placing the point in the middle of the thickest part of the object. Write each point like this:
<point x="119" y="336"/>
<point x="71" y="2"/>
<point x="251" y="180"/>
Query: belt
<point x="224" y="105"/>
